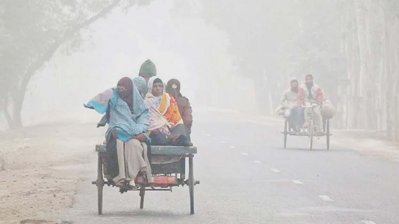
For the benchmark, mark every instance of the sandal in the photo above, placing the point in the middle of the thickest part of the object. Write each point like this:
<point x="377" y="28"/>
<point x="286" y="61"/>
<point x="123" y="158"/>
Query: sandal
<point x="120" y="183"/>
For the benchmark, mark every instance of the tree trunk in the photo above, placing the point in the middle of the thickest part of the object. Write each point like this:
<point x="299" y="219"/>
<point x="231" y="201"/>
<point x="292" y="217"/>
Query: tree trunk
<point x="7" y="114"/>
<point x="18" y="96"/>
<point x="18" y="100"/>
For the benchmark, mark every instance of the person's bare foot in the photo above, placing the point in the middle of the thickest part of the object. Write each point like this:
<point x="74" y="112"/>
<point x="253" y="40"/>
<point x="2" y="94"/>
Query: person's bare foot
<point x="150" y="180"/>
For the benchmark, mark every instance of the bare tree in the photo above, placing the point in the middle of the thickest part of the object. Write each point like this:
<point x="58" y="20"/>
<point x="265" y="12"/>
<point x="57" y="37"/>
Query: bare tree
<point x="32" y="32"/>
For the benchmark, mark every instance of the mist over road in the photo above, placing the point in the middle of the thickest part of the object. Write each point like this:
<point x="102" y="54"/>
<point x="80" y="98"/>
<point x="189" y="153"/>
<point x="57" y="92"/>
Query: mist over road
<point x="247" y="177"/>
<point x="242" y="56"/>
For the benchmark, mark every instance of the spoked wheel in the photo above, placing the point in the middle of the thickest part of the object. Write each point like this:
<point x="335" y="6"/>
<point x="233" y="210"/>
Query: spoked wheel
<point x="191" y="183"/>
<point x="328" y="134"/>
<point x="100" y="185"/>
<point x="285" y="133"/>
<point x="311" y="133"/>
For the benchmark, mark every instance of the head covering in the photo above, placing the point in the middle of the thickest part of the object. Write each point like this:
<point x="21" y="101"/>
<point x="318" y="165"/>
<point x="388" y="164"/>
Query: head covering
<point x="137" y="107"/>
<point x="141" y="85"/>
<point x="127" y="83"/>
<point x="173" y="87"/>
<point x="127" y="120"/>
<point x="148" y="67"/>
<point x="157" y="80"/>
<point x="151" y="83"/>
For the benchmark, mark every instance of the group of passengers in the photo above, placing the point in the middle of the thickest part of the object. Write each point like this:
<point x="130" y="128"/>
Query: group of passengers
<point x="142" y="112"/>
<point x="294" y="100"/>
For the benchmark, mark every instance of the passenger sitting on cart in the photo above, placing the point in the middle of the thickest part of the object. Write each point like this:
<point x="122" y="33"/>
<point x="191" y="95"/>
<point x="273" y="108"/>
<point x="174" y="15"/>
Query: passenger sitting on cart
<point x="147" y="70"/>
<point x="127" y="118"/>
<point x="141" y="85"/>
<point x="314" y="95"/>
<point x="166" y="125"/>
<point x="173" y="88"/>
<point x="291" y="105"/>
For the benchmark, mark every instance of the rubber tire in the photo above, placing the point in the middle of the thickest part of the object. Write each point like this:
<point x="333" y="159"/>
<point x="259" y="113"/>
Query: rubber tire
<point x="311" y="131"/>
<point x="100" y="186"/>
<point x="191" y="183"/>
<point x="328" y="134"/>
<point x="142" y="194"/>
<point x="285" y="133"/>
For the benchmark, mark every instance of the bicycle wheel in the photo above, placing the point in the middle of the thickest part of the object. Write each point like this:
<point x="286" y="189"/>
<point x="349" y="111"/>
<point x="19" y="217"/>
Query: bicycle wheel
<point x="100" y="185"/>
<point x="285" y="133"/>
<point x="311" y="133"/>
<point x="328" y="134"/>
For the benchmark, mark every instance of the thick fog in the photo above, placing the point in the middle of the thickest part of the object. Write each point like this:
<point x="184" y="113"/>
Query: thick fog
<point x="115" y="46"/>
<point x="228" y="54"/>
<point x="255" y="146"/>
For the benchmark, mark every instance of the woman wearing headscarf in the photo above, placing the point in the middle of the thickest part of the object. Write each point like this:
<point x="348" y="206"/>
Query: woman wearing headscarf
<point x="173" y="88"/>
<point x="127" y="118"/>
<point x="166" y="124"/>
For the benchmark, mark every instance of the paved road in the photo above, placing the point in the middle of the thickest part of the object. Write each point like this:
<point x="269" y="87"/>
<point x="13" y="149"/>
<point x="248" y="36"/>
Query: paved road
<point x="247" y="177"/>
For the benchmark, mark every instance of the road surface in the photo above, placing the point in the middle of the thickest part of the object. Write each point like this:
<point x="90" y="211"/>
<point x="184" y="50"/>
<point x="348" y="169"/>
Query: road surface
<point x="247" y="177"/>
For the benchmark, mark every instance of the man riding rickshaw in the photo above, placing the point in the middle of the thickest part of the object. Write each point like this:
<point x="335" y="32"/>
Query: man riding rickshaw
<point x="306" y="110"/>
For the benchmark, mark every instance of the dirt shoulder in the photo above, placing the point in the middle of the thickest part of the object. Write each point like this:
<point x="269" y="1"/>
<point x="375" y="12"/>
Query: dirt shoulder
<point x="40" y="165"/>
<point x="33" y="187"/>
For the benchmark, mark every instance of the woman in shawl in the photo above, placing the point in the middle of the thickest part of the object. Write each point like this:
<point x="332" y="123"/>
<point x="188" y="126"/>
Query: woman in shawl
<point x="166" y="123"/>
<point x="127" y="117"/>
